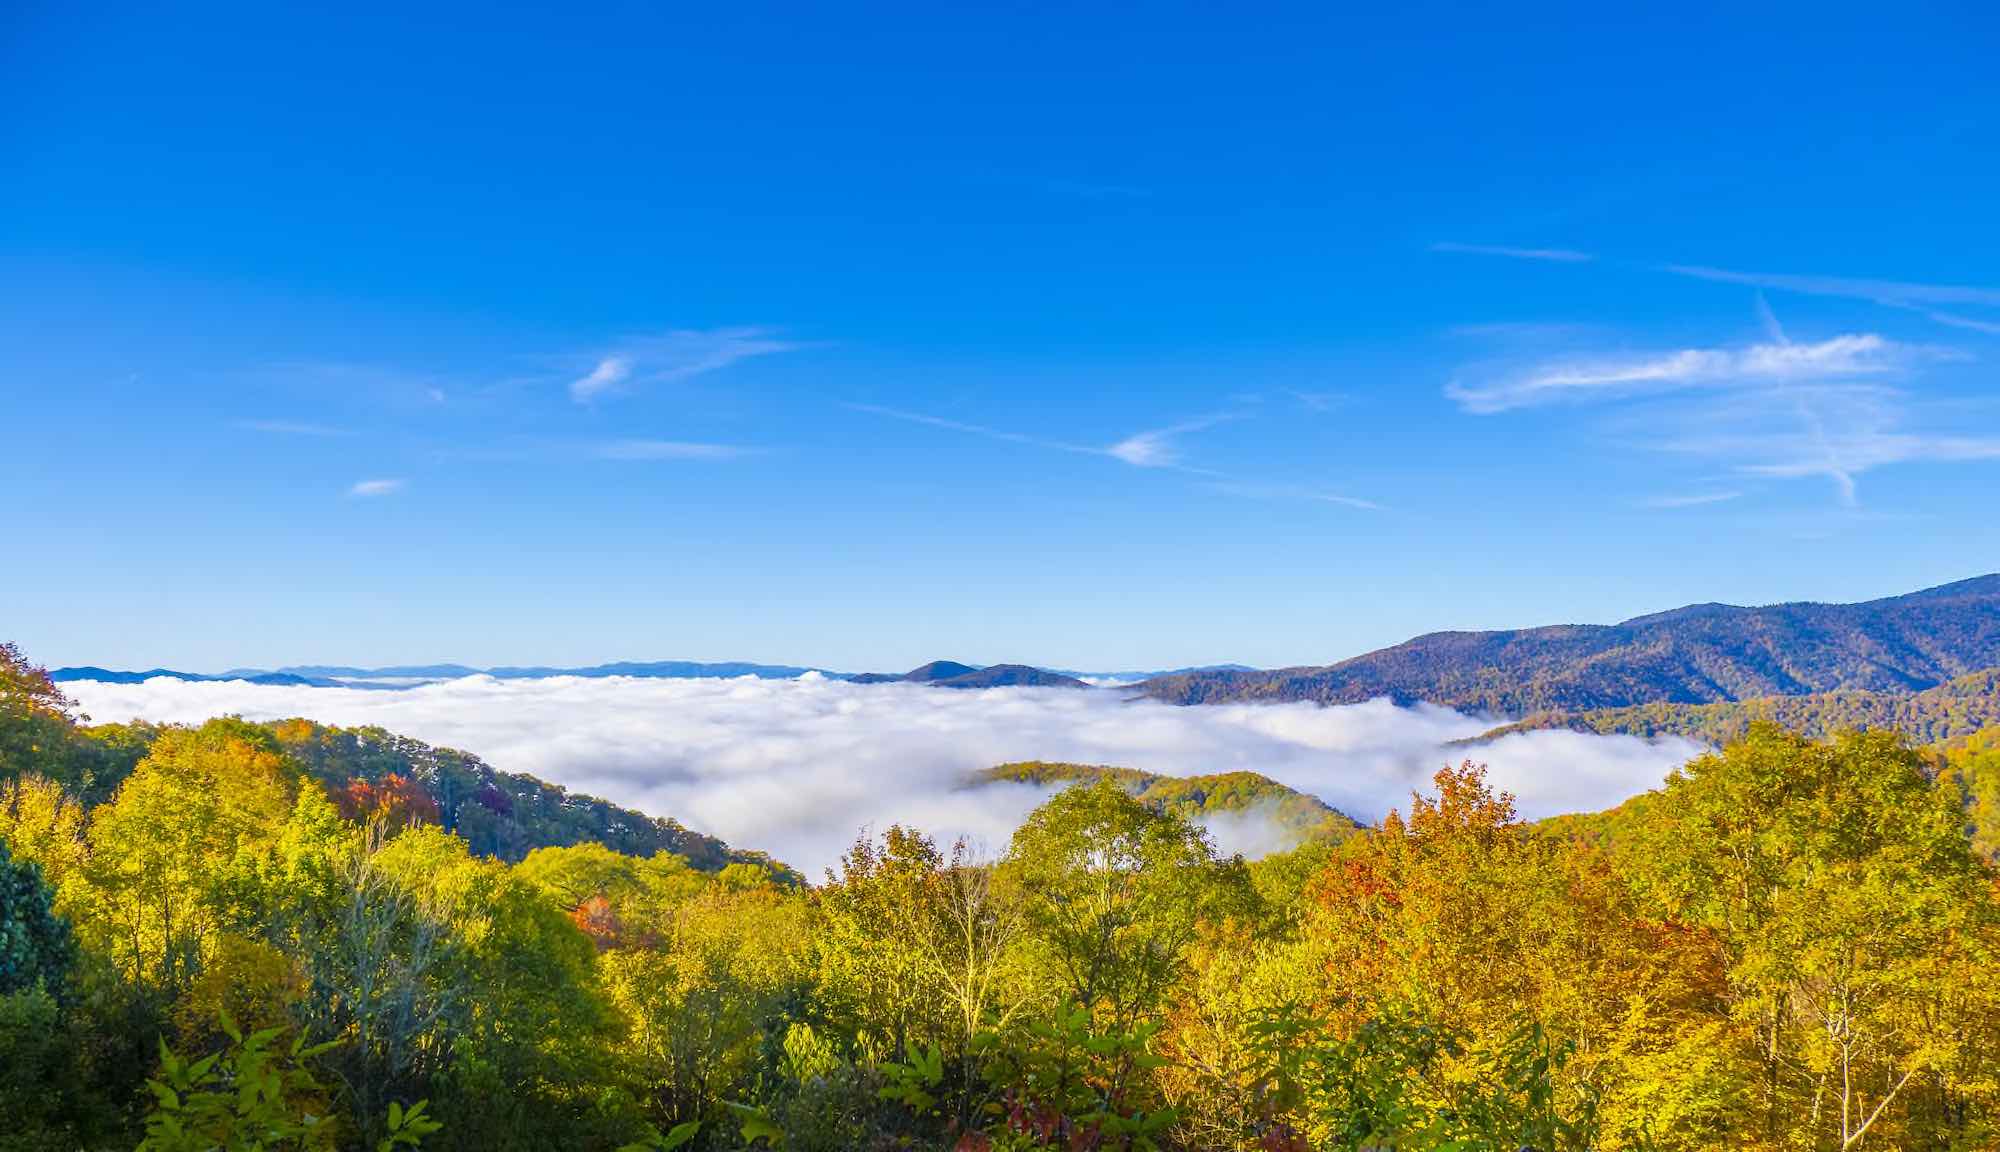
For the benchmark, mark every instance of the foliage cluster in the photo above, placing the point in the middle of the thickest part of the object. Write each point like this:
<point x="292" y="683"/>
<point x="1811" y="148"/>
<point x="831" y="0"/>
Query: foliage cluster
<point x="1294" y="813"/>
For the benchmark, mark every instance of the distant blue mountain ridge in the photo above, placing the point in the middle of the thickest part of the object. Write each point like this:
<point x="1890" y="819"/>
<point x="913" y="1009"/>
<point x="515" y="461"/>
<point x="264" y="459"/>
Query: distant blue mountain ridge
<point x="940" y="673"/>
<point x="1701" y="654"/>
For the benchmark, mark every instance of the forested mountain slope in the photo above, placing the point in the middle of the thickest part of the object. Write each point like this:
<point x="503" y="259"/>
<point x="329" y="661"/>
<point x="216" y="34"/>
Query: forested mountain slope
<point x="505" y="815"/>
<point x="1951" y="710"/>
<point x="1700" y="654"/>
<point x="501" y="814"/>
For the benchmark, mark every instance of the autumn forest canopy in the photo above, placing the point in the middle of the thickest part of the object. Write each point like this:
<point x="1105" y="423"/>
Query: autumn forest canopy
<point x="290" y="935"/>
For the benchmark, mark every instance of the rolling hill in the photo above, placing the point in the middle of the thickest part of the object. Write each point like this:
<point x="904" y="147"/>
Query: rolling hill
<point x="1304" y="816"/>
<point x="249" y="675"/>
<point x="951" y="674"/>
<point x="1702" y="654"/>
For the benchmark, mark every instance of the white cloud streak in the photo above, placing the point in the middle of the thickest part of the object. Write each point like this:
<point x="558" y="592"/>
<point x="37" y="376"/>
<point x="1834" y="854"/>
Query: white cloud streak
<point x="370" y="488"/>
<point x="1894" y="292"/>
<point x="608" y="374"/>
<point x="670" y="450"/>
<point x="1156" y="448"/>
<point x="1970" y="324"/>
<point x="799" y="767"/>
<point x="1783" y="408"/>
<point x="1261" y="491"/>
<point x="1153" y="449"/>
<point x="982" y="430"/>
<point x="671" y="357"/>
<point x="1145" y="450"/>
<point x="1548" y="255"/>
<point x="1690" y="500"/>
<point x="1860" y="354"/>
<point x="1906" y="295"/>
<point x="1832" y="431"/>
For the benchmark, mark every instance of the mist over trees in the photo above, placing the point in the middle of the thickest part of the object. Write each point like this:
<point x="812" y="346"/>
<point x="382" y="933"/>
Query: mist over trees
<point x="285" y="935"/>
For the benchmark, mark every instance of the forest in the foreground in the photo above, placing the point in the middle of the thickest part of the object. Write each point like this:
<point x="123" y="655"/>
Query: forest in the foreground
<point x="274" y="936"/>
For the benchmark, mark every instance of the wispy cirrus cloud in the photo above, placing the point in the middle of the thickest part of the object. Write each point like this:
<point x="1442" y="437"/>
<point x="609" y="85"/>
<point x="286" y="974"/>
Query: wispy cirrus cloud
<point x="1780" y="408"/>
<point x="1835" y="432"/>
<point x="1601" y="377"/>
<point x="366" y="489"/>
<point x="1159" y="447"/>
<point x="1970" y="324"/>
<point x="1784" y="409"/>
<point x="1858" y="288"/>
<point x="670" y="357"/>
<point x="1257" y="490"/>
<point x="671" y="450"/>
<point x="608" y="374"/>
<point x="1548" y="255"/>
<point x="970" y="429"/>
<point x="1152" y="449"/>
<point x="1689" y="500"/>
<point x="1906" y="295"/>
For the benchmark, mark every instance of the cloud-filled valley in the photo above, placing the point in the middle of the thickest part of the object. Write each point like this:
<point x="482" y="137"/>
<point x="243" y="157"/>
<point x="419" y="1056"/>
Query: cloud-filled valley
<point x="797" y="767"/>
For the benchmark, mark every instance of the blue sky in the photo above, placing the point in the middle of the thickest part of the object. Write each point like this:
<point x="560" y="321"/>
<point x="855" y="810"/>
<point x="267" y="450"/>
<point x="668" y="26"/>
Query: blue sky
<point x="864" y="337"/>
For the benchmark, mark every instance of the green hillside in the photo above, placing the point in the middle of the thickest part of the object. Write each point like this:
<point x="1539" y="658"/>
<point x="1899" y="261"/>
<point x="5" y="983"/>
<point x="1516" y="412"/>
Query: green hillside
<point x="1306" y="816"/>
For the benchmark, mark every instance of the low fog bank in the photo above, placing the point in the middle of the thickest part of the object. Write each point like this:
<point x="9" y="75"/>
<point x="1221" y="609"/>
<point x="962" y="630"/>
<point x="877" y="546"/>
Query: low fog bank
<point x="798" y="767"/>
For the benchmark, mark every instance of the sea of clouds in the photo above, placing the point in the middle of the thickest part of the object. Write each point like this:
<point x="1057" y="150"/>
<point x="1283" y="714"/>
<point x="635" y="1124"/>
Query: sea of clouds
<point x="798" y="767"/>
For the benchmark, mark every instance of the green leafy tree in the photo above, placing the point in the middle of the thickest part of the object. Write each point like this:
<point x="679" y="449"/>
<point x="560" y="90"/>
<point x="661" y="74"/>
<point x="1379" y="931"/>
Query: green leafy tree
<point x="1860" y="929"/>
<point x="380" y="982"/>
<point x="616" y="899"/>
<point x="1113" y="893"/>
<point x="37" y="947"/>
<point x="178" y="856"/>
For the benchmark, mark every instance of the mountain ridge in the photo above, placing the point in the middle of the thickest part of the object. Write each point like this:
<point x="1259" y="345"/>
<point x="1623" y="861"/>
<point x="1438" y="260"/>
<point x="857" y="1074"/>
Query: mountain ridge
<point x="1949" y="711"/>
<point x="943" y="673"/>
<point x="951" y="674"/>
<point x="1696" y="654"/>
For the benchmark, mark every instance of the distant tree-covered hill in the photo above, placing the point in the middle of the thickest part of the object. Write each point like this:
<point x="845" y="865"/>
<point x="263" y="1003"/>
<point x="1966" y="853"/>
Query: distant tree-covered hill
<point x="405" y="675"/>
<point x="501" y="814"/>
<point x="115" y="676"/>
<point x="952" y="674"/>
<point x="1701" y="654"/>
<point x="1297" y="813"/>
